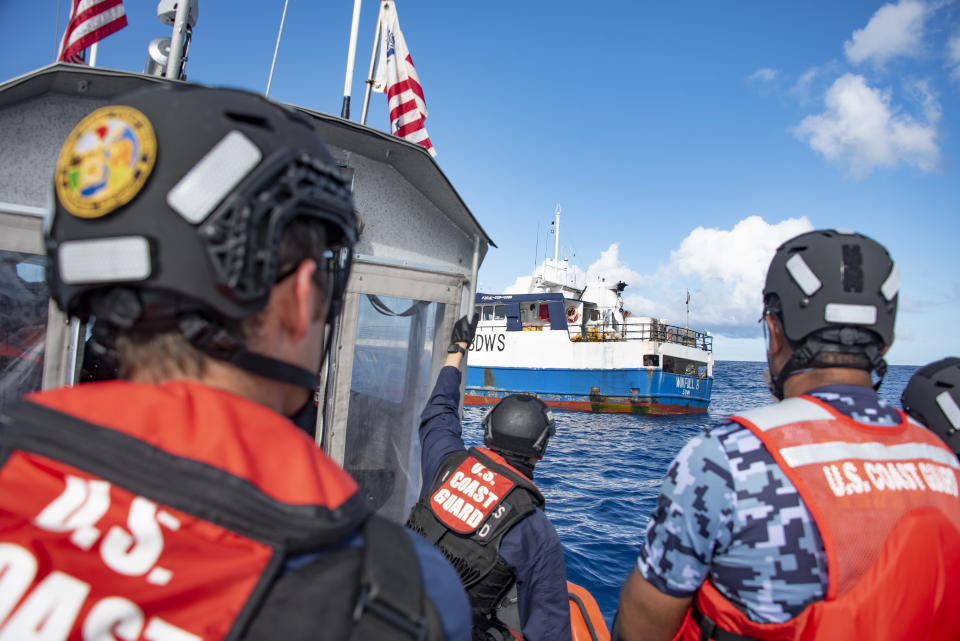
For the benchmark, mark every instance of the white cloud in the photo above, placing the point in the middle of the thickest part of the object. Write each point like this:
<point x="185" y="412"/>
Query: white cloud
<point x="724" y="270"/>
<point x="859" y="128"/>
<point x="894" y="30"/>
<point x="730" y="267"/>
<point x="612" y="268"/>
<point x="953" y="56"/>
<point x="803" y="83"/>
<point x="764" y="75"/>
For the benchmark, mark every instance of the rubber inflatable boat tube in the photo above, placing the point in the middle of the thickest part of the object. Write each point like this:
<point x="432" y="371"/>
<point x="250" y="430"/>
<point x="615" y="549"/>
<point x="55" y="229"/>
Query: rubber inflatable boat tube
<point x="586" y="621"/>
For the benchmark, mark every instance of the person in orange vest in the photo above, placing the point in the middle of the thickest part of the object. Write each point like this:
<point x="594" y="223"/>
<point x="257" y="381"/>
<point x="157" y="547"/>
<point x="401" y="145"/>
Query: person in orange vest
<point x="827" y="515"/>
<point x="932" y="396"/>
<point x="207" y="234"/>
<point x="482" y="508"/>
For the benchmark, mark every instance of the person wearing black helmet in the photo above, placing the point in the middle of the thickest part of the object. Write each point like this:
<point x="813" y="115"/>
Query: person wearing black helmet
<point x="933" y="397"/>
<point x="207" y="235"/>
<point x="827" y="515"/>
<point x="482" y="509"/>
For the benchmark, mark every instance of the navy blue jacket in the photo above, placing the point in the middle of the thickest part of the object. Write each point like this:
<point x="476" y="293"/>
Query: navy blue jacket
<point x="531" y="548"/>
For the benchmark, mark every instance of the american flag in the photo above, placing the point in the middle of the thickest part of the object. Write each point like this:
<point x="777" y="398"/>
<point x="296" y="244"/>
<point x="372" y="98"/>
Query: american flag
<point x="397" y="78"/>
<point x="90" y="21"/>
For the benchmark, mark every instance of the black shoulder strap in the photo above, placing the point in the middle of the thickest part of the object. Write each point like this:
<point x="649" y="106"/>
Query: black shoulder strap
<point x="391" y="588"/>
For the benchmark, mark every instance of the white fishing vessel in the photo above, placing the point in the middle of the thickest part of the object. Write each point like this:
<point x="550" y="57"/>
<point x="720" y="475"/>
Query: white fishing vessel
<point x="574" y="345"/>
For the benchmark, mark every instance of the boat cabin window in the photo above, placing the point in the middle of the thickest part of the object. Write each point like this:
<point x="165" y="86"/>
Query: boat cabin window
<point x="528" y="313"/>
<point x="490" y="312"/>
<point x="651" y="360"/>
<point x="684" y="366"/>
<point x="390" y="382"/>
<point x="23" y="325"/>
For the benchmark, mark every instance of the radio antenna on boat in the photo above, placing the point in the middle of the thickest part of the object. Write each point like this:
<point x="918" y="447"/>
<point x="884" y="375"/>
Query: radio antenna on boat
<point x="277" y="46"/>
<point x="351" y="58"/>
<point x="556" y="236"/>
<point x="536" y="248"/>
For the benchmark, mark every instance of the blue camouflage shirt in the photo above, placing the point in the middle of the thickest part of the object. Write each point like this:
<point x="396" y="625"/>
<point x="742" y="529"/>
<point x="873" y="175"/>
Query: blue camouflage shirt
<point x="727" y="512"/>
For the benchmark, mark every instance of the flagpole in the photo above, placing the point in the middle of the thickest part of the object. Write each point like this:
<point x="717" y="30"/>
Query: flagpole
<point x="351" y="58"/>
<point x="373" y="62"/>
<point x="94" y="49"/>
<point x="277" y="46"/>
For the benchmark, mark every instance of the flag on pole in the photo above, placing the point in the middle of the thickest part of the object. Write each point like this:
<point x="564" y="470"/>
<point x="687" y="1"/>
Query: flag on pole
<point x="397" y="78"/>
<point x="688" y="297"/>
<point x="90" y="21"/>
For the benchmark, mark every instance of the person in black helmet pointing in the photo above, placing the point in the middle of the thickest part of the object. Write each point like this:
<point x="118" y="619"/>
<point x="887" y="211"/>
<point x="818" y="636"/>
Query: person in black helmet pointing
<point x="827" y="515"/>
<point x="207" y="235"/>
<point x="482" y="509"/>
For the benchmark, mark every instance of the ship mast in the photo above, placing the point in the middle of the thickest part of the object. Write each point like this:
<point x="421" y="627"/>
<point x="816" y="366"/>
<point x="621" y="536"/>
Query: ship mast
<point x="556" y="237"/>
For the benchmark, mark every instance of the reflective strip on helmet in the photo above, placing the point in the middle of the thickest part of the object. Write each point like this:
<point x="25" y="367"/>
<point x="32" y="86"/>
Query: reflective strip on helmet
<point x="950" y="409"/>
<point x="891" y="286"/>
<point x="802" y="275"/>
<point x="214" y="177"/>
<point x="850" y="314"/>
<point x="791" y="410"/>
<point x="104" y="260"/>
<point x="838" y="451"/>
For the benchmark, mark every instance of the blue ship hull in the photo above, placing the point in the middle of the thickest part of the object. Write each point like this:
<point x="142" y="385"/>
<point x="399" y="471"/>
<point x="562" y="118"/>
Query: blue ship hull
<point x="638" y="391"/>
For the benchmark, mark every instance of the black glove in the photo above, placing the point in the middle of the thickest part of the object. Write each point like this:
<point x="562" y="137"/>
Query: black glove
<point x="465" y="329"/>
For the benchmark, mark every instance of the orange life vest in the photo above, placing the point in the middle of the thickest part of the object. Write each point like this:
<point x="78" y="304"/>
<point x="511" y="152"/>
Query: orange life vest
<point x="155" y="512"/>
<point x="885" y="501"/>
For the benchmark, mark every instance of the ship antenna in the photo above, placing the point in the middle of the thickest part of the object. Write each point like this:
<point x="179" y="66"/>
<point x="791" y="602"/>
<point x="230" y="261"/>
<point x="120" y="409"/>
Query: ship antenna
<point x="556" y="237"/>
<point x="536" y="248"/>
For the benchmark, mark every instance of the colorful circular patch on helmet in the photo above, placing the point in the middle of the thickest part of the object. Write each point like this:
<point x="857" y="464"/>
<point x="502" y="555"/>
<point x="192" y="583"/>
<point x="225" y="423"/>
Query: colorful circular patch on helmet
<point x="105" y="161"/>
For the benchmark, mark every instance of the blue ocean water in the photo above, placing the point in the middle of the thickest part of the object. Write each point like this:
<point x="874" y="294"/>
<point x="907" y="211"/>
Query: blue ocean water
<point x="602" y="472"/>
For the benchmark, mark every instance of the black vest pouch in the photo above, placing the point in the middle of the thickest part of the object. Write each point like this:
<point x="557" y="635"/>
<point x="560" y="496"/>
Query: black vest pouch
<point x="353" y="594"/>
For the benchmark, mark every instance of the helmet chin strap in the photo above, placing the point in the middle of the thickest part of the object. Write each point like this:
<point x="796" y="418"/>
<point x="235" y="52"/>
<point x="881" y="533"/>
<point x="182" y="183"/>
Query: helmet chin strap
<point x="804" y="359"/>
<point x="221" y="344"/>
<point x="274" y="369"/>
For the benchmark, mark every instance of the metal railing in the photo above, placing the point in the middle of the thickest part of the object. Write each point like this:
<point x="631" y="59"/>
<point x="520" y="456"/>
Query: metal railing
<point x="597" y="332"/>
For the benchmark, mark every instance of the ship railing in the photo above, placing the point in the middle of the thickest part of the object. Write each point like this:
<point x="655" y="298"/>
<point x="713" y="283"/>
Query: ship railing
<point x="657" y="332"/>
<point x="598" y="332"/>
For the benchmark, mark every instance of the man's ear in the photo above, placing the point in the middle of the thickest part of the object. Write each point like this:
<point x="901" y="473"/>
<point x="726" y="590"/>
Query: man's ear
<point x="776" y="340"/>
<point x="297" y="303"/>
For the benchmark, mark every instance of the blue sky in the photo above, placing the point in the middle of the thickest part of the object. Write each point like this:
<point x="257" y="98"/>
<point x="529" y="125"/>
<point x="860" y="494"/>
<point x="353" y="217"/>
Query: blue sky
<point x="683" y="141"/>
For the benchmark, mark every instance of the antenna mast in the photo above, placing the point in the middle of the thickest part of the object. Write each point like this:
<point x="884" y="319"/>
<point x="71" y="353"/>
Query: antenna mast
<point x="556" y="236"/>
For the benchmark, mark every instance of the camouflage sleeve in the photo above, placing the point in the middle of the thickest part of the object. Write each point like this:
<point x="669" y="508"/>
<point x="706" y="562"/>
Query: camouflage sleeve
<point x="692" y="520"/>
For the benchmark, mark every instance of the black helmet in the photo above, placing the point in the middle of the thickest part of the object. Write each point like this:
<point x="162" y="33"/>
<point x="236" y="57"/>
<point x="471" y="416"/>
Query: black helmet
<point x="833" y="291"/>
<point x="519" y="424"/>
<point x="188" y="190"/>
<point x="171" y="203"/>
<point x="933" y="397"/>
